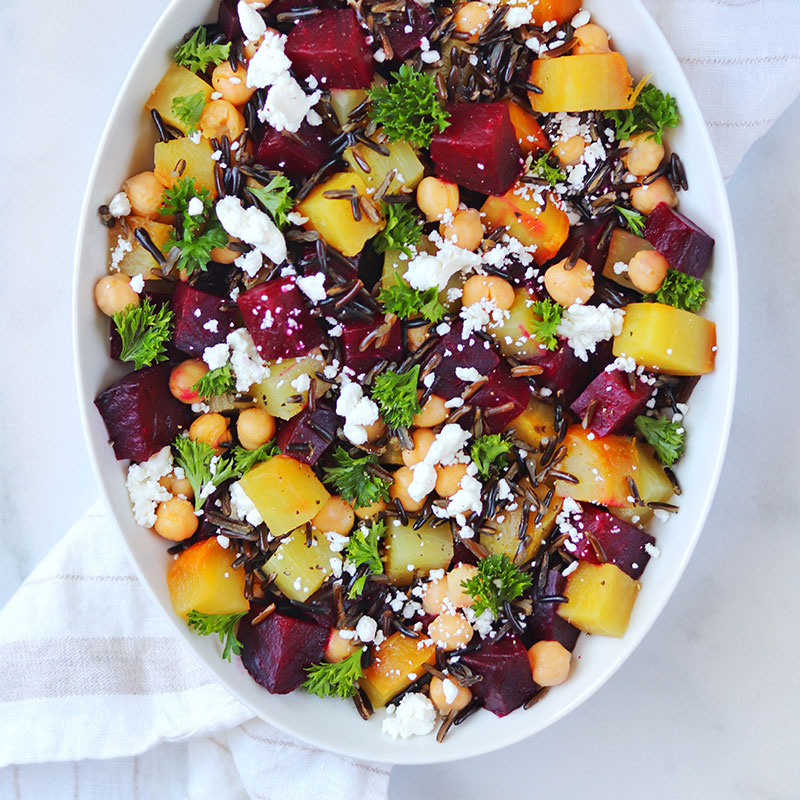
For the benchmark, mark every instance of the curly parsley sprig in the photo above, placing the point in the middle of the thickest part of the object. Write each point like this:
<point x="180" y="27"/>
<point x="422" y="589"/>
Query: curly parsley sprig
<point x="547" y="318"/>
<point x="275" y="198"/>
<point x="245" y="460"/>
<point x="406" y="302"/>
<point x="666" y="436"/>
<point x="396" y="395"/>
<point x="490" y="454"/>
<point x="362" y="550"/>
<point x="634" y="219"/>
<point x="188" y="109"/>
<point x="216" y="382"/>
<point x="403" y="229"/>
<point x="335" y="680"/>
<point x="204" y="469"/>
<point x="542" y="168"/>
<point x="198" y="55"/>
<point x="144" y="331"/>
<point x="221" y="624"/>
<point x="497" y="581"/>
<point x="654" y="111"/>
<point x="679" y="290"/>
<point x="353" y="481"/>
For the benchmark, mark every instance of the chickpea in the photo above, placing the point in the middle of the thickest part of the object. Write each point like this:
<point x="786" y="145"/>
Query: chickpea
<point x="144" y="192"/>
<point x="448" y="479"/>
<point x="591" y="39"/>
<point x="177" y="486"/>
<point x="568" y="286"/>
<point x="645" y="154"/>
<point x="372" y="510"/>
<point x="472" y="18"/>
<point x="254" y="427"/>
<point x="184" y="376"/>
<point x="455" y="591"/>
<point x="113" y="293"/>
<point x="423" y="439"/>
<point x="221" y="118"/>
<point x="399" y="489"/>
<point x="224" y="255"/>
<point x="550" y="662"/>
<point x="232" y="85"/>
<point x="647" y="270"/>
<point x="465" y="229"/>
<point x="335" y="516"/>
<point x="645" y="198"/>
<point x="435" y="198"/>
<point x="417" y="336"/>
<point x="450" y="631"/>
<point x="175" y="519"/>
<point x="570" y="151"/>
<point x="459" y="695"/>
<point x="435" y="600"/>
<point x="433" y="413"/>
<point x="376" y="430"/>
<point x="211" y="429"/>
<point x="488" y="287"/>
<point x="339" y="648"/>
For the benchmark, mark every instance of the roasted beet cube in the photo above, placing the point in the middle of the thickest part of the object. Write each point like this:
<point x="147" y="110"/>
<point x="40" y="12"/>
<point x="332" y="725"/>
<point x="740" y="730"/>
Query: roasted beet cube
<point x="563" y="370"/>
<point x="616" y="404"/>
<point x="507" y="682"/>
<point x="228" y="19"/>
<point x="363" y="359"/>
<point x="420" y="20"/>
<point x="623" y="545"/>
<point x="589" y="235"/>
<point x="457" y="352"/>
<point x="503" y="398"/>
<point x="316" y="429"/>
<point x="479" y="149"/>
<point x="140" y="413"/>
<point x="201" y="319"/>
<point x="544" y="623"/>
<point x="686" y="246"/>
<point x="299" y="155"/>
<point x="278" y="320"/>
<point x="277" y="651"/>
<point x="332" y="47"/>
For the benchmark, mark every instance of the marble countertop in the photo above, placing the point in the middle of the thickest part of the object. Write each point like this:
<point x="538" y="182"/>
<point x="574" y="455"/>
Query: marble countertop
<point x="705" y="708"/>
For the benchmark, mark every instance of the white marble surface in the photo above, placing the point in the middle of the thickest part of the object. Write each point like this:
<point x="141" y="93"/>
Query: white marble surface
<point x="707" y="706"/>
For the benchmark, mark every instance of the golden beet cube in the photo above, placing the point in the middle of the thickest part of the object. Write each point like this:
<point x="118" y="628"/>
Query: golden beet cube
<point x="299" y="569"/>
<point x="402" y="158"/>
<point x="136" y="260"/>
<point x="600" y="599"/>
<point x="411" y="553"/>
<point x="397" y="663"/>
<point x="286" y="493"/>
<point x="182" y="158"/>
<point x="202" y="578"/>
<point x="273" y="393"/>
<point x="535" y="423"/>
<point x="177" y="82"/>
<point x="667" y="339"/>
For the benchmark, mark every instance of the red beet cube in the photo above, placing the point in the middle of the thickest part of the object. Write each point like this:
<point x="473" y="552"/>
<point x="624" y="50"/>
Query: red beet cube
<point x="589" y="233"/>
<point x="201" y="319"/>
<point x="544" y="623"/>
<point x="458" y="352"/>
<point x="479" y="149"/>
<point x="624" y="545"/>
<point x="299" y="155"/>
<point x="363" y="360"/>
<point x="278" y="320"/>
<point x="563" y="370"/>
<point x="420" y="20"/>
<point x="277" y="651"/>
<point x="332" y="47"/>
<point x="315" y="428"/>
<point x="228" y="19"/>
<point x="616" y="404"/>
<point x="686" y="246"/>
<point x="507" y="682"/>
<point x="140" y="413"/>
<point x="502" y="392"/>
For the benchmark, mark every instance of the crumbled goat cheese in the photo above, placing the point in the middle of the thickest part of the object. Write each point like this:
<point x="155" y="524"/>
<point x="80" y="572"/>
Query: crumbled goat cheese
<point x="366" y="628"/>
<point x="447" y="446"/>
<point x="652" y="550"/>
<point x="195" y="207"/>
<point x="313" y="286"/>
<point x="481" y="315"/>
<point x="118" y="253"/>
<point x="250" y="263"/>
<point x="414" y="715"/>
<point x="518" y="16"/>
<point x="252" y="226"/>
<point x="137" y="283"/>
<point x="252" y="23"/>
<point x="337" y="541"/>
<point x="242" y="507"/>
<point x="144" y="490"/>
<point x="450" y="690"/>
<point x="585" y="326"/>
<point x="301" y="383"/>
<point x="423" y="481"/>
<point x="358" y="411"/>
<point x="247" y="364"/>
<point x="483" y="623"/>
<point x="269" y="62"/>
<point x="216" y="356"/>
<point x="296" y="219"/>
<point x="287" y="105"/>
<point x="581" y="18"/>
<point x="120" y="205"/>
<point x="468" y="374"/>
<point x="467" y="498"/>
<point x="427" y="271"/>
<point x="622" y="364"/>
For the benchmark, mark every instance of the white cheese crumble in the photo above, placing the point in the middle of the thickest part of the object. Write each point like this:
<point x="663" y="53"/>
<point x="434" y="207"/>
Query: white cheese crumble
<point x="287" y="105"/>
<point x="250" y="263"/>
<point x="581" y="18"/>
<point x="468" y="374"/>
<point x="518" y="16"/>
<point x="118" y="253"/>
<point x="313" y="286"/>
<point x="144" y="490"/>
<point x="137" y="283"/>
<point x="269" y="61"/>
<point x="584" y="327"/>
<point x="366" y="628"/>
<point x="120" y="205"/>
<point x="252" y="226"/>
<point x="414" y="715"/>
<point x="242" y="507"/>
<point x="427" y="271"/>
<point x="247" y="364"/>
<point x="195" y="207"/>
<point x="358" y="411"/>
<point x="253" y="25"/>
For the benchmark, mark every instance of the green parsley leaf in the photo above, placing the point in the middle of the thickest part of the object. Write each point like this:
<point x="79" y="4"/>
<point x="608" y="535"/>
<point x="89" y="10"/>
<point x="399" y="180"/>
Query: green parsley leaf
<point x="197" y="55"/>
<point x="634" y="219"/>
<point x="403" y="229"/>
<point x="679" y="290"/>
<point x="222" y="625"/>
<point x="335" y="680"/>
<point x="144" y="331"/>
<point x="405" y="302"/>
<point x="189" y="109"/>
<point x="396" y="394"/>
<point x="362" y="550"/>
<point x="216" y="382"/>
<point x="547" y="315"/>
<point x="245" y="460"/>
<point x="353" y="481"/>
<point x="275" y="199"/>
<point x="408" y="108"/>
<point x="654" y="111"/>
<point x="204" y="469"/>
<point x="542" y="168"/>
<point x="667" y="437"/>
<point x="497" y="581"/>
<point x="490" y="453"/>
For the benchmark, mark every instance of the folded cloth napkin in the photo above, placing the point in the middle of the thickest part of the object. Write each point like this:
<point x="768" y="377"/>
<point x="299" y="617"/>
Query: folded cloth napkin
<point x="91" y="669"/>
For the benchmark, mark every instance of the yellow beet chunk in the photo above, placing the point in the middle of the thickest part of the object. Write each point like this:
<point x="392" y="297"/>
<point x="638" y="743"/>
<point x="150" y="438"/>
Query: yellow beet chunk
<point x="203" y="579"/>
<point x="546" y="227"/>
<point x="177" y="82"/>
<point x="422" y="550"/>
<point x="273" y="393"/>
<point x="344" y="101"/>
<point x="300" y="570"/>
<point x="136" y="261"/>
<point x="397" y="658"/>
<point x="600" y="599"/>
<point x="182" y="158"/>
<point x="601" y="465"/>
<point x="535" y="423"/>
<point x="591" y="82"/>
<point x="401" y="158"/>
<point x="622" y="247"/>
<point x="286" y="493"/>
<point x="667" y="339"/>
<point x="514" y="335"/>
<point x="333" y="218"/>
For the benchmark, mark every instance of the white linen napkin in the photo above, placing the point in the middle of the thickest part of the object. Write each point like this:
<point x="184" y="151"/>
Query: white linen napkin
<point x="92" y="671"/>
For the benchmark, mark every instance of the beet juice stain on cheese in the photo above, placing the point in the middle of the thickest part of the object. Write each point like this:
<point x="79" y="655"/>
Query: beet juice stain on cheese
<point x="408" y="320"/>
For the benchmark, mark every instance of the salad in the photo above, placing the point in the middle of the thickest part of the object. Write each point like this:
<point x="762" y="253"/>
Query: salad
<point x="410" y="323"/>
